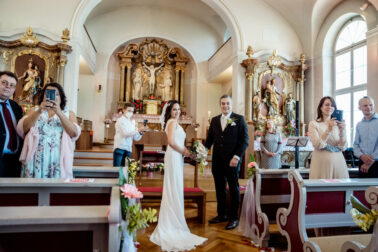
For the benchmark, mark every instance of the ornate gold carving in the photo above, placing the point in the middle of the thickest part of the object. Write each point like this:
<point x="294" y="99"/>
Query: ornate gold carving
<point x="274" y="60"/>
<point x="153" y="51"/>
<point x="249" y="52"/>
<point x="65" y="35"/>
<point x="302" y="58"/>
<point x="29" y="39"/>
<point x="5" y="53"/>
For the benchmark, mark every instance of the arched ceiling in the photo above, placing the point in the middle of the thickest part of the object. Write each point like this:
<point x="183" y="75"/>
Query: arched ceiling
<point x="193" y="8"/>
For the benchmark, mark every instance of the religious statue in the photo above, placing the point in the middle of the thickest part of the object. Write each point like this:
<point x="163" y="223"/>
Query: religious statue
<point x="271" y="97"/>
<point x="151" y="70"/>
<point x="290" y="108"/>
<point x="166" y="86"/>
<point x="256" y="106"/>
<point x="29" y="86"/>
<point x="137" y="81"/>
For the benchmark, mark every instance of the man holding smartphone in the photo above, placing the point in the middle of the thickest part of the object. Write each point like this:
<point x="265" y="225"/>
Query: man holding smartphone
<point x="365" y="145"/>
<point x="126" y="132"/>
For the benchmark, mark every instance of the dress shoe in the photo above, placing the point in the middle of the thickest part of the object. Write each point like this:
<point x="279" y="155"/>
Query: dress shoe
<point x="218" y="219"/>
<point x="232" y="224"/>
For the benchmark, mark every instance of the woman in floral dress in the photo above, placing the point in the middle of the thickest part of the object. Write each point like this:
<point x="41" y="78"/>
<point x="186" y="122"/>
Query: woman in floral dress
<point x="50" y="131"/>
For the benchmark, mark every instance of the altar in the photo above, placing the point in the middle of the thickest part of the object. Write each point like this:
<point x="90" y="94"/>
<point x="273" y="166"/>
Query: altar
<point x="153" y="121"/>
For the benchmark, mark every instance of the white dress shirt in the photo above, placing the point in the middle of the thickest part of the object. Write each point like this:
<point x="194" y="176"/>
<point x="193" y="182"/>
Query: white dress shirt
<point x="224" y="119"/>
<point x="125" y="133"/>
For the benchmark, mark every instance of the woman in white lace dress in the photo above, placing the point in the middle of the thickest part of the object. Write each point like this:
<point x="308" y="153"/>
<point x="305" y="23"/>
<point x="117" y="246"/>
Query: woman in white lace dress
<point x="329" y="140"/>
<point x="172" y="232"/>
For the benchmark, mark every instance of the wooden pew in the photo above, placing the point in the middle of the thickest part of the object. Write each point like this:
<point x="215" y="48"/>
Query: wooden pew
<point x="194" y="194"/>
<point x="317" y="203"/>
<point x="371" y="195"/>
<point x="33" y="209"/>
<point x="95" y="172"/>
<point x="272" y="191"/>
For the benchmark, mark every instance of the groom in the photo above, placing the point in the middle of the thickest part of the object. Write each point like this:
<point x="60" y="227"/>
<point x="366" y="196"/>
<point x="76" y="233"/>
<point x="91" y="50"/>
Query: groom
<point x="229" y="134"/>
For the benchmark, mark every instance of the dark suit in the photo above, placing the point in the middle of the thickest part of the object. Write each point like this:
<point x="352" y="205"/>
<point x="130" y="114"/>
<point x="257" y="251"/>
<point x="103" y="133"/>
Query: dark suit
<point x="9" y="163"/>
<point x="232" y="141"/>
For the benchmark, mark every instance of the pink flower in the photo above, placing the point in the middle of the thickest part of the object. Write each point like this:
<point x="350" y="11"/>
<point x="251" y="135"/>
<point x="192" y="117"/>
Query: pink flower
<point x="252" y="164"/>
<point x="131" y="192"/>
<point x="286" y="127"/>
<point x="259" y="133"/>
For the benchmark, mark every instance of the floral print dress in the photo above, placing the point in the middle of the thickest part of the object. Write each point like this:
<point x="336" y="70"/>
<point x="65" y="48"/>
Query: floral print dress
<point x="46" y="160"/>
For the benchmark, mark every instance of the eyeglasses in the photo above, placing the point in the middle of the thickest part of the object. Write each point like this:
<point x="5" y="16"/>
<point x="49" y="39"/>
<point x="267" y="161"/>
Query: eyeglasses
<point x="6" y="83"/>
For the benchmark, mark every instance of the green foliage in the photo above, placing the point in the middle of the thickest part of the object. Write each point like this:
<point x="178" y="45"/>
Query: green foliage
<point x="138" y="218"/>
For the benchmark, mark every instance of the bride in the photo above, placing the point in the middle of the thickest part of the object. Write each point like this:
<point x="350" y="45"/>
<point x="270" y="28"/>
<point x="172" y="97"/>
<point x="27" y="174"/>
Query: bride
<point x="172" y="232"/>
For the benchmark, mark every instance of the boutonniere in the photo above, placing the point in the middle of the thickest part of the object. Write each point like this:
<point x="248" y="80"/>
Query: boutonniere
<point x="231" y="121"/>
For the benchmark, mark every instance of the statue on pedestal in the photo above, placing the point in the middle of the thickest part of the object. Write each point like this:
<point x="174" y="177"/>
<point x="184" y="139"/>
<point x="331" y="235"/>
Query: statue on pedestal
<point x="137" y="81"/>
<point x="166" y="86"/>
<point x="31" y="78"/>
<point x="151" y="70"/>
<point x="271" y="97"/>
<point x="256" y="106"/>
<point x="290" y="108"/>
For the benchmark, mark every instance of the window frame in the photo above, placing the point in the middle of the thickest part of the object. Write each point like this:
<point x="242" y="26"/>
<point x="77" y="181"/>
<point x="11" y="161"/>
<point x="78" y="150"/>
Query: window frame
<point x="353" y="88"/>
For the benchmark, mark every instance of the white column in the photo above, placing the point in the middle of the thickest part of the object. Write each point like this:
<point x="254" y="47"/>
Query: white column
<point x="71" y="76"/>
<point x="238" y="86"/>
<point x="372" y="63"/>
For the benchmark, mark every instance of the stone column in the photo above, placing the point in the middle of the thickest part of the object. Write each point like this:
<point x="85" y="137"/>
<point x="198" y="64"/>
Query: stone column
<point x="177" y="83"/>
<point x="128" y="82"/>
<point x="249" y="65"/>
<point x="122" y="83"/>
<point x="301" y="94"/>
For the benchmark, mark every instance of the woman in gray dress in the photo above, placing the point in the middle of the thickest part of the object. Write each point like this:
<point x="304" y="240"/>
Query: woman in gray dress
<point x="271" y="147"/>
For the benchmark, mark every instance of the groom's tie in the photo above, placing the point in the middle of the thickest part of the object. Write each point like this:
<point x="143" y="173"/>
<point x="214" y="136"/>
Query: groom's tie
<point x="223" y="122"/>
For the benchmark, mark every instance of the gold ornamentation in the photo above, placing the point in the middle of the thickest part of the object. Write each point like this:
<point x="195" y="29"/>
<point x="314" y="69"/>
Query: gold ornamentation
<point x="274" y="60"/>
<point x="29" y="39"/>
<point x="249" y="52"/>
<point x="153" y="51"/>
<point x="65" y="35"/>
<point x="5" y="54"/>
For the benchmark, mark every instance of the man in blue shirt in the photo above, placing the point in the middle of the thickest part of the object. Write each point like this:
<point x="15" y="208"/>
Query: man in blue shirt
<point x="10" y="114"/>
<point x="366" y="141"/>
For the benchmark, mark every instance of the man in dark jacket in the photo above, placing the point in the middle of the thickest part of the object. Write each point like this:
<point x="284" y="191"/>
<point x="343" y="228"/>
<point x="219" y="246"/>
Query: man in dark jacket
<point x="228" y="133"/>
<point x="10" y="114"/>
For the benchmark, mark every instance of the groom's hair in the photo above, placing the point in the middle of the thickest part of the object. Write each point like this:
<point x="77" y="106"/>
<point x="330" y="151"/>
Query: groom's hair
<point x="225" y="96"/>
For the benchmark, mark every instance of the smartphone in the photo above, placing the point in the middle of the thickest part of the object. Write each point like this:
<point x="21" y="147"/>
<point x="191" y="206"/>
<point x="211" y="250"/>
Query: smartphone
<point x="145" y="121"/>
<point x="338" y="114"/>
<point x="50" y="94"/>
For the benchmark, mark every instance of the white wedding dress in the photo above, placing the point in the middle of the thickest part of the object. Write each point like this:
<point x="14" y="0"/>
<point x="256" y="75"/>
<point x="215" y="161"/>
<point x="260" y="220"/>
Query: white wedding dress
<point x="172" y="232"/>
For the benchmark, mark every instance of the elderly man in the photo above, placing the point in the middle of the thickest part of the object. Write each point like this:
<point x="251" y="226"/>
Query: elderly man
<point x="366" y="140"/>
<point x="10" y="114"/>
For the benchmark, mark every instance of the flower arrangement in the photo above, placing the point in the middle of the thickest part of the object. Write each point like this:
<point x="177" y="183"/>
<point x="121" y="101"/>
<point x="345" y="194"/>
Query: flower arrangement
<point x="363" y="216"/>
<point x="200" y="154"/>
<point x="152" y="97"/>
<point x="134" y="218"/>
<point x="259" y="129"/>
<point x="138" y="104"/>
<point x="152" y="166"/>
<point x="252" y="165"/>
<point x="258" y="134"/>
<point x="290" y="129"/>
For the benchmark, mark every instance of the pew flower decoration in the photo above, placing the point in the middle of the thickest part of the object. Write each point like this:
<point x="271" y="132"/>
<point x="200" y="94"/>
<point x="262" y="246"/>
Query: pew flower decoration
<point x="363" y="216"/>
<point x="130" y="192"/>
<point x="133" y="168"/>
<point x="200" y="154"/>
<point x="252" y="165"/>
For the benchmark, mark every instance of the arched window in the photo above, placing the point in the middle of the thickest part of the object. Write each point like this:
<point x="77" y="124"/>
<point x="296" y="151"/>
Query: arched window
<point x="350" y="75"/>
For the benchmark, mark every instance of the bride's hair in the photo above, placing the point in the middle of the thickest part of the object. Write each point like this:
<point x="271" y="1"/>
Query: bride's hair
<point x="167" y="115"/>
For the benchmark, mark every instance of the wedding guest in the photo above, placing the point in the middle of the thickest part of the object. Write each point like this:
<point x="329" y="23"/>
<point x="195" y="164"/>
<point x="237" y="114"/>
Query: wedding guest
<point x="329" y="140"/>
<point x="50" y="131"/>
<point x="271" y="147"/>
<point x="126" y="132"/>
<point x="10" y="114"/>
<point x="365" y="145"/>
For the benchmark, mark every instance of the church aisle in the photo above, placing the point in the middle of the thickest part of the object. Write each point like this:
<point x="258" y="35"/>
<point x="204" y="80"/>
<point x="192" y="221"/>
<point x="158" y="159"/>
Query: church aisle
<point x="218" y="238"/>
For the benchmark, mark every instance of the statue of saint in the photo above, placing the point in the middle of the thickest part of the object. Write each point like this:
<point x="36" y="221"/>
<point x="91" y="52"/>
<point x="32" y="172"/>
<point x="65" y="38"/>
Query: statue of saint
<point x="166" y="86"/>
<point x="271" y="97"/>
<point x="151" y="70"/>
<point x="256" y="106"/>
<point x="290" y="108"/>
<point x="137" y="81"/>
<point x="29" y="84"/>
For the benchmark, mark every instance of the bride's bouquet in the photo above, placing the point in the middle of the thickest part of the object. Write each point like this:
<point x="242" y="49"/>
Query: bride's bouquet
<point x="200" y="154"/>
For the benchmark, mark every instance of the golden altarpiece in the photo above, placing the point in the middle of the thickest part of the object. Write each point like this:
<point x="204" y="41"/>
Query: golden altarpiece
<point x="35" y="63"/>
<point x="272" y="88"/>
<point x="152" y="73"/>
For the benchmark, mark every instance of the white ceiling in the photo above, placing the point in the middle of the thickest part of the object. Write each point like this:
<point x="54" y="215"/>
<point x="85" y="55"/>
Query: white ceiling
<point x="194" y="8"/>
